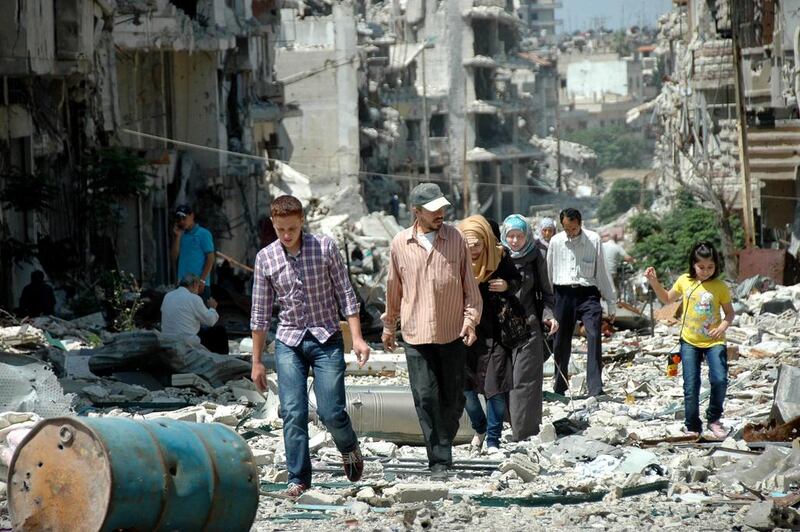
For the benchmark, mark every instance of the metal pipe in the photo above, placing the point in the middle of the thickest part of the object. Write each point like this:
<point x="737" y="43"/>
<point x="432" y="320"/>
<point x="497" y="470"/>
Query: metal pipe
<point x="388" y="413"/>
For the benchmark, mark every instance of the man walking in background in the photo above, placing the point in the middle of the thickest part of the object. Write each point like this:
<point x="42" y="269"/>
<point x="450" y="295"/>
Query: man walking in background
<point x="577" y="269"/>
<point x="432" y="291"/>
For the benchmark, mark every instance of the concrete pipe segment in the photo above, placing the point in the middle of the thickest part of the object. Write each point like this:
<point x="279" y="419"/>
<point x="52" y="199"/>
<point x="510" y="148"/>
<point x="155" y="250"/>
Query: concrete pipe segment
<point x="104" y="474"/>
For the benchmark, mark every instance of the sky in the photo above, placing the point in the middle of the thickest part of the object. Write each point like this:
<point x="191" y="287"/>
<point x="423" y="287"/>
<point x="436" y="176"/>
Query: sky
<point x="584" y="14"/>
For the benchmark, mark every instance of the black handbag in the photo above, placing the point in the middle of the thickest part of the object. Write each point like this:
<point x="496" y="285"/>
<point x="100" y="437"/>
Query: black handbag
<point x="514" y="328"/>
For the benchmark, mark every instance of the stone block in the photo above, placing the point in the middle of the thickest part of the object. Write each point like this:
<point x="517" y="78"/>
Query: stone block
<point x="319" y="497"/>
<point x="526" y="469"/>
<point x="422" y="492"/>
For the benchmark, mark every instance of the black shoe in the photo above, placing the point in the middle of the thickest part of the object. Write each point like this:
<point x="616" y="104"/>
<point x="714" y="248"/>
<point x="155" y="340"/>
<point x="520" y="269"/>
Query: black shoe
<point x="440" y="472"/>
<point x="353" y="464"/>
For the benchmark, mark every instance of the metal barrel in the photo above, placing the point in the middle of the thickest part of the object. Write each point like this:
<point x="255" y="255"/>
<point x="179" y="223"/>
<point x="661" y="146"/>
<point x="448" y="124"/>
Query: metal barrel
<point x="104" y="474"/>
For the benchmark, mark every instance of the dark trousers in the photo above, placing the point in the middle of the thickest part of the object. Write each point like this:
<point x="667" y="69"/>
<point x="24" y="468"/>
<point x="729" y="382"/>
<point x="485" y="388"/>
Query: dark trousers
<point x="215" y="339"/>
<point x="573" y="304"/>
<point x="436" y="374"/>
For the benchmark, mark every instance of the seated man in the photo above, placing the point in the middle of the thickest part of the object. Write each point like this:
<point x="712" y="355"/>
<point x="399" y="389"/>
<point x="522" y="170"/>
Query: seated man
<point x="183" y="311"/>
<point x="37" y="298"/>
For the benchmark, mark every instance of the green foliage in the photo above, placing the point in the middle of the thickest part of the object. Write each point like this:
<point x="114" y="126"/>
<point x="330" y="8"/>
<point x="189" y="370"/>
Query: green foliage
<point x="616" y="146"/>
<point x="26" y="192"/>
<point x="123" y="295"/>
<point x="624" y="194"/>
<point x="117" y="294"/>
<point x="621" y="43"/>
<point x="111" y="175"/>
<point x="665" y="243"/>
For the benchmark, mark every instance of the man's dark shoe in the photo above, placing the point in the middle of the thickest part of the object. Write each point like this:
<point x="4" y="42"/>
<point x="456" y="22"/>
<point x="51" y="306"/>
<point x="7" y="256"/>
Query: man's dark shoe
<point x="440" y="472"/>
<point x="353" y="464"/>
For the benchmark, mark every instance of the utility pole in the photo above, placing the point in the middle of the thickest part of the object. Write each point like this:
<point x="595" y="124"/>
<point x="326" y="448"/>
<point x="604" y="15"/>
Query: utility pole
<point x="741" y="114"/>
<point x="425" y="131"/>
<point x="557" y="132"/>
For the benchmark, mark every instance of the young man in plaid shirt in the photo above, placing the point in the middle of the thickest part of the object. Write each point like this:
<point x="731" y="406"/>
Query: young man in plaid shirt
<point x="307" y="276"/>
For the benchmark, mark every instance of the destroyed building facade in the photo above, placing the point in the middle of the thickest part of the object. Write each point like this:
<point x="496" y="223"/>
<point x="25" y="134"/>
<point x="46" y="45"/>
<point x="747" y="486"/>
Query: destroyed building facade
<point x="696" y="109"/>
<point x="444" y="93"/>
<point x="95" y="77"/>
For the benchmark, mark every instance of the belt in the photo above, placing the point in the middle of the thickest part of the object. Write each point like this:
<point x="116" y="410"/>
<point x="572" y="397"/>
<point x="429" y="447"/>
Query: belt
<point x="575" y="286"/>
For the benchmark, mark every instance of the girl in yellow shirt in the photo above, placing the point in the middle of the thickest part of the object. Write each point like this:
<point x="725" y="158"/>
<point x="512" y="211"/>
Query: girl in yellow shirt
<point x="702" y="333"/>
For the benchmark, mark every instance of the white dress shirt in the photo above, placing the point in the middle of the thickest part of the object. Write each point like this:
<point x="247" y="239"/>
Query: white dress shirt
<point x="182" y="314"/>
<point x="580" y="261"/>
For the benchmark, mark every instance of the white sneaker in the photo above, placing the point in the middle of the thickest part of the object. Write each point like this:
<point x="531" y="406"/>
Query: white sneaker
<point x="477" y="440"/>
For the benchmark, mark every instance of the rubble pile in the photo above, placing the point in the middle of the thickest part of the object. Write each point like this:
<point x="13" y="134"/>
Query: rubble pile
<point x="619" y="461"/>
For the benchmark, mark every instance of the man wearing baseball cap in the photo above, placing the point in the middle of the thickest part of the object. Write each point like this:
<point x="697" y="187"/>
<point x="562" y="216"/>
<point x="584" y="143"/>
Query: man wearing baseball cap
<point x="192" y="248"/>
<point x="432" y="292"/>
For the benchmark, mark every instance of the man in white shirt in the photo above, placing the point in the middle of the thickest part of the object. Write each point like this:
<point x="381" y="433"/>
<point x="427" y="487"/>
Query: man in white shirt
<point x="183" y="311"/>
<point x="577" y="269"/>
<point x="615" y="255"/>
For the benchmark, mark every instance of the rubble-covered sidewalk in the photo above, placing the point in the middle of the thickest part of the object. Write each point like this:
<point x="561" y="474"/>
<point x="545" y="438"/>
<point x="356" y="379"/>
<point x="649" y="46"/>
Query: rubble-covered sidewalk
<point x="619" y="461"/>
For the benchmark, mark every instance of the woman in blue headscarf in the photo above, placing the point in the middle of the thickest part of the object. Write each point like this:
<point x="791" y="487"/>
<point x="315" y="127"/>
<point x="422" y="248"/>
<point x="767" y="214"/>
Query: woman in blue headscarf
<point x="525" y="398"/>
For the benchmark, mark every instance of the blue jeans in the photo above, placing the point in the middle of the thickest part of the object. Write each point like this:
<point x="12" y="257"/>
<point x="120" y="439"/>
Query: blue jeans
<point x="493" y="426"/>
<point x="292" y="365"/>
<point x="717" y="359"/>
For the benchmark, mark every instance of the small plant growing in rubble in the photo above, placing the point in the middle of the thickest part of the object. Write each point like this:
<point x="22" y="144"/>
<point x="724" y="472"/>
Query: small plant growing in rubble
<point x="123" y="298"/>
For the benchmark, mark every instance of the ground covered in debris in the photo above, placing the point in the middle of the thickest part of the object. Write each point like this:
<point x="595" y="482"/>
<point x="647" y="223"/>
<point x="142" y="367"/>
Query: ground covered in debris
<point x="616" y="462"/>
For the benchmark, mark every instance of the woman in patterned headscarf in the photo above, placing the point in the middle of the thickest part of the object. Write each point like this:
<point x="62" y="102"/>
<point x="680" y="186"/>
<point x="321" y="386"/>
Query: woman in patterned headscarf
<point x="488" y="360"/>
<point x="536" y="296"/>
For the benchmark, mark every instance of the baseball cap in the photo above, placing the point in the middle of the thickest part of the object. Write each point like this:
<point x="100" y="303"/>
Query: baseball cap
<point x="428" y="196"/>
<point x="183" y="210"/>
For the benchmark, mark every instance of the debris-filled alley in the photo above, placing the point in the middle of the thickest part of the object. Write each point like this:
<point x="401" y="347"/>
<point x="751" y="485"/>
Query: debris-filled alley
<point x="183" y="179"/>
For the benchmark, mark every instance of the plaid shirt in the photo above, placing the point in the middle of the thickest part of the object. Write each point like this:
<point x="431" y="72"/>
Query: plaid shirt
<point x="310" y="289"/>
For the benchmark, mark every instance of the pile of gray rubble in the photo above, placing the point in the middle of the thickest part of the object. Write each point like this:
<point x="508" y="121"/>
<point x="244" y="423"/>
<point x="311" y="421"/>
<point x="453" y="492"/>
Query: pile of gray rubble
<point x="620" y="461"/>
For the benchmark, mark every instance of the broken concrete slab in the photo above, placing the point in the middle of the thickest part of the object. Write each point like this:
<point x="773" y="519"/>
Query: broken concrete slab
<point x="576" y="448"/>
<point x="191" y="413"/>
<point x="786" y="406"/>
<point x="525" y="468"/>
<point x="766" y="515"/>
<point x="319" y="497"/>
<point x="190" y="380"/>
<point x="421" y="492"/>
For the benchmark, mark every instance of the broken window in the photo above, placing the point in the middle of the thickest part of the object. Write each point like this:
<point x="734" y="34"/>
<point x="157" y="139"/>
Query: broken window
<point x="491" y="131"/>
<point x="484" y="37"/>
<point x="438" y="125"/>
<point x="484" y="85"/>
<point x="187" y="6"/>
<point x="67" y="15"/>
<point x="413" y="129"/>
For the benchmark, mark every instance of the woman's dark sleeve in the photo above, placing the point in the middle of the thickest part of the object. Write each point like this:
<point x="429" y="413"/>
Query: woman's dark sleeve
<point x="545" y="287"/>
<point x="508" y="272"/>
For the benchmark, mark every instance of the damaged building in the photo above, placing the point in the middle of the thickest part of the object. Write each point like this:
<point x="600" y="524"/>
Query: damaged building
<point x="58" y="105"/>
<point x="442" y="95"/>
<point x="201" y="73"/>
<point x="697" y="107"/>
<point x="127" y="109"/>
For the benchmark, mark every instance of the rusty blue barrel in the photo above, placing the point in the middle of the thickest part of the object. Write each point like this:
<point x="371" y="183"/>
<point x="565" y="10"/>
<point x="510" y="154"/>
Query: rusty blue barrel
<point x="104" y="474"/>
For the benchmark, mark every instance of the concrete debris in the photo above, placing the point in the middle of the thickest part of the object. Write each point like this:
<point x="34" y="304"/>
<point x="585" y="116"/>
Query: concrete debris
<point x="524" y="467"/>
<point x="181" y="357"/>
<point x="765" y="515"/>
<point x="319" y="497"/>
<point x="422" y="492"/>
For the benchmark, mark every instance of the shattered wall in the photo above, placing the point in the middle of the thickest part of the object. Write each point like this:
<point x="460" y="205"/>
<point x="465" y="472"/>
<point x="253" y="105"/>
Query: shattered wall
<point x="696" y="109"/>
<point x="318" y="62"/>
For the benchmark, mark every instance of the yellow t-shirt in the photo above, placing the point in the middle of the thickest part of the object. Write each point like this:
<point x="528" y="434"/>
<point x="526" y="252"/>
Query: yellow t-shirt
<point x="702" y="310"/>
